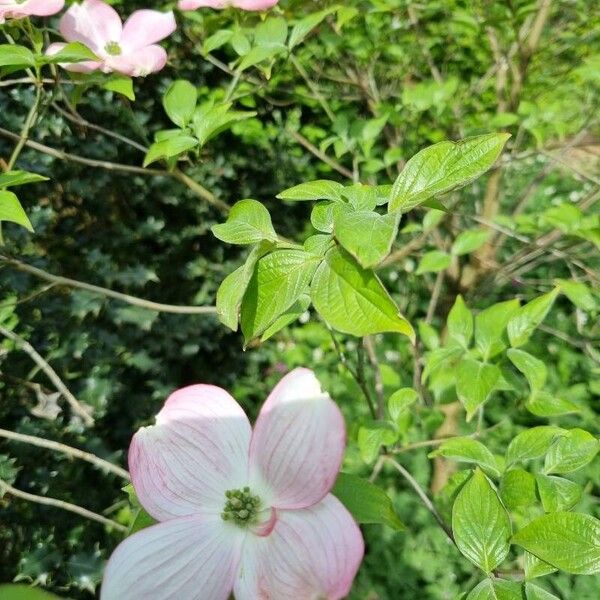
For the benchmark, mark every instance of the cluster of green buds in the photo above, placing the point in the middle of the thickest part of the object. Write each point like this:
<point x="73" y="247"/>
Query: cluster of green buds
<point x="241" y="507"/>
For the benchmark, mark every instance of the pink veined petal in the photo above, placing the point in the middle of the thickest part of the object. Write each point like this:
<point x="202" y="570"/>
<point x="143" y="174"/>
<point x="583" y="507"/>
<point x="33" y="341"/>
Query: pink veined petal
<point x="146" y="27"/>
<point x="82" y="67"/>
<point x="255" y="4"/>
<point x="42" y="8"/>
<point x="191" y="558"/>
<point x="194" y="4"/>
<point x="138" y="63"/>
<point x="93" y="23"/>
<point x="197" y="450"/>
<point x="312" y="553"/>
<point x="298" y="442"/>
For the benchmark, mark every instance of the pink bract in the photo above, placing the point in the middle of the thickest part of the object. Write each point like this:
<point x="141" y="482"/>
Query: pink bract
<point x="243" y="4"/>
<point x="11" y="9"/>
<point x="239" y="510"/>
<point x="129" y="48"/>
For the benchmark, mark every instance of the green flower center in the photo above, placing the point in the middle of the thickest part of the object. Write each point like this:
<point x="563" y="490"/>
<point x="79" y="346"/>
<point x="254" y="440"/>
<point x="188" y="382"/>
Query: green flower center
<point x="241" y="507"/>
<point x="113" y="48"/>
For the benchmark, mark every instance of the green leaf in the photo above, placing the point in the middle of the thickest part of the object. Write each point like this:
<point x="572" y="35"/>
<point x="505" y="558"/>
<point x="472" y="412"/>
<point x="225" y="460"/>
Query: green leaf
<point x="289" y="316"/>
<point x="470" y="451"/>
<point x="470" y="240"/>
<point x="475" y="381"/>
<point x="366" y="197"/>
<point x="557" y="493"/>
<point x="444" y="167"/>
<point x="321" y="189"/>
<point x="24" y="592"/>
<point x="534" y="369"/>
<point x="571" y="452"/>
<point x="304" y="26"/>
<point x="353" y="300"/>
<point x="231" y="291"/>
<point x="11" y="210"/>
<point x="460" y="323"/>
<point x="14" y="178"/>
<point x="434" y="262"/>
<point x="208" y="120"/>
<point x="318" y="244"/>
<point x="545" y="404"/>
<point x="280" y="278"/>
<point x="216" y="40"/>
<point x="321" y="216"/>
<point x="568" y="541"/>
<point x="367" y="235"/>
<point x="170" y="147"/>
<point x="259" y="54"/>
<point x="366" y="502"/>
<point x="534" y="592"/>
<point x="120" y="84"/>
<point x="578" y="293"/>
<point x="528" y="317"/>
<point x="16" y="56"/>
<point x="480" y="523"/>
<point x="372" y="437"/>
<point x="534" y="567"/>
<point x="532" y="443"/>
<point x="400" y="401"/>
<point x="141" y="521"/>
<point x="73" y="52"/>
<point x="490" y="325"/>
<point x="496" y="589"/>
<point x="248" y="222"/>
<point x="180" y="101"/>
<point x="517" y="489"/>
<point x="271" y="32"/>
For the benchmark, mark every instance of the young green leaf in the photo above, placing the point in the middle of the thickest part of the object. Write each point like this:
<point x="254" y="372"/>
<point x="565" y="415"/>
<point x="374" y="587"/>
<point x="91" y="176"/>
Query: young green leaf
<point x="557" y="493"/>
<point x="480" y="523"/>
<point x="366" y="197"/>
<point x="532" y="443"/>
<point x="11" y="210"/>
<point x="470" y="451"/>
<point x="16" y="56"/>
<point x="271" y="32"/>
<point x="24" y="592"/>
<point x="470" y="240"/>
<point x="534" y="592"/>
<point x="372" y="437"/>
<point x="73" y="52"/>
<point x="321" y="216"/>
<point x="490" y="325"/>
<point x="475" y="381"/>
<point x="170" y="147"/>
<point x="528" y="317"/>
<point x="367" y="235"/>
<point x="180" y="101"/>
<point x="304" y="26"/>
<point x="535" y="567"/>
<point x="289" y="316"/>
<point x="366" y="502"/>
<point x="248" y="222"/>
<point x="14" y="178"/>
<point x="321" y="189"/>
<point x="578" y="293"/>
<point x="496" y="589"/>
<point x="571" y="452"/>
<point x="400" y="401"/>
<point x="460" y="323"/>
<point x="434" y="262"/>
<point x="353" y="300"/>
<point x="444" y="167"/>
<point x="517" y="489"/>
<point x="545" y="404"/>
<point x="120" y="84"/>
<point x="568" y="541"/>
<point x="279" y="280"/>
<point x="534" y="369"/>
<point x="208" y="120"/>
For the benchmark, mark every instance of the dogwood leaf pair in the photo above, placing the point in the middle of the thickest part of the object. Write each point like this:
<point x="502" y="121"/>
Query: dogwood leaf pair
<point x="129" y="48"/>
<point x="239" y="510"/>
<point x="15" y="9"/>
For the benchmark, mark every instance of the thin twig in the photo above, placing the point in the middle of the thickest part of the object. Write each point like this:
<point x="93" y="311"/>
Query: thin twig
<point x="5" y="488"/>
<point x="133" y="300"/>
<point x="102" y="464"/>
<point x="76" y="406"/>
<point x="321" y="155"/>
<point x="379" y="390"/>
<point x="423" y="496"/>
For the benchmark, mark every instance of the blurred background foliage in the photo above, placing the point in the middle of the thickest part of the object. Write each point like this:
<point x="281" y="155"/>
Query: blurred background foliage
<point x="371" y="85"/>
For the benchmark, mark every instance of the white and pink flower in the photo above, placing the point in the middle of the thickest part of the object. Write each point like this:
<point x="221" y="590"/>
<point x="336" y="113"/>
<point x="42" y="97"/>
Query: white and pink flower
<point x="239" y="510"/>
<point x="243" y="4"/>
<point x="129" y="48"/>
<point x="15" y="9"/>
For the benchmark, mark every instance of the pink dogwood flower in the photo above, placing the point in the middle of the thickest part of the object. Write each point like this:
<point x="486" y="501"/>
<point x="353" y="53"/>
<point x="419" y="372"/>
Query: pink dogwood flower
<point x="243" y="4"/>
<point x="129" y="48"/>
<point x="15" y="9"/>
<point x="239" y="510"/>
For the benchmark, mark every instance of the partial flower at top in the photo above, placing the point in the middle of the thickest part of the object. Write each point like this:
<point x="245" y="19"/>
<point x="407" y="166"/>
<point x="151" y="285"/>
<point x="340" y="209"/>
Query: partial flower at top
<point x="128" y="48"/>
<point x="239" y="510"/>
<point x="243" y="4"/>
<point x="15" y="9"/>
